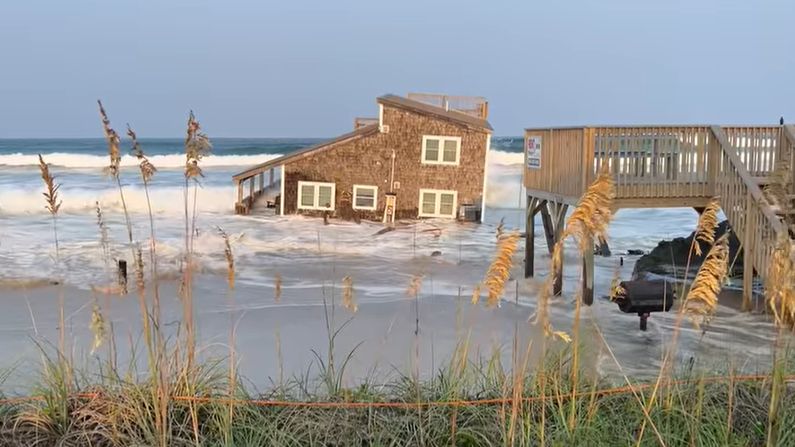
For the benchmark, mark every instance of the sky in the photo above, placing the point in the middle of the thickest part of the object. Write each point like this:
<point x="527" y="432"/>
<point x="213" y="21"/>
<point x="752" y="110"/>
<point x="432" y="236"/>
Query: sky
<point x="299" y="68"/>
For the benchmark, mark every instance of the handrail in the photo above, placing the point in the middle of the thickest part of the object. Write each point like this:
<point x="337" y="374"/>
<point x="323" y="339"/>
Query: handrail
<point x="753" y="188"/>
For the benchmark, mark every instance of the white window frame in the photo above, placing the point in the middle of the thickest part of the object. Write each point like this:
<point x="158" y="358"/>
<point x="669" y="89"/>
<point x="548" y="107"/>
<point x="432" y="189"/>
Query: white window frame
<point x="356" y="189"/>
<point x="438" y="203"/>
<point x="316" y="205"/>
<point x="440" y="157"/>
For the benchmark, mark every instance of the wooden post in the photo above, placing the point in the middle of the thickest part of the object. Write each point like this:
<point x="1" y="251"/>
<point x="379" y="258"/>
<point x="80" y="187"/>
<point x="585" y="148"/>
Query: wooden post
<point x="273" y="180"/>
<point x="529" y="244"/>
<point x="604" y="247"/>
<point x="587" y="275"/>
<point x="251" y="193"/>
<point x="748" y="255"/>
<point x="239" y="197"/>
<point x="560" y="221"/>
<point x="549" y="229"/>
<point x="261" y="183"/>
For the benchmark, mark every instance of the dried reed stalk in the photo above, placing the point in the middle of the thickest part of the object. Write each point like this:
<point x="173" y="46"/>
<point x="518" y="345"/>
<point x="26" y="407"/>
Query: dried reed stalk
<point x="103" y="234"/>
<point x="780" y="284"/>
<point x="590" y="219"/>
<point x="53" y="205"/>
<point x="140" y="282"/>
<point x="707" y="224"/>
<point x="500" y="269"/>
<point x="348" y="299"/>
<point x="702" y="299"/>
<point x="197" y="145"/>
<point x="51" y="195"/>
<point x="277" y="287"/>
<point x="230" y="258"/>
<point x="777" y="189"/>
<point x="476" y="293"/>
<point x="500" y="228"/>
<point x="98" y="328"/>
<point x="415" y="285"/>
<point x="147" y="169"/>
<point x="588" y="222"/>
<point x="113" y="142"/>
<point x="114" y="154"/>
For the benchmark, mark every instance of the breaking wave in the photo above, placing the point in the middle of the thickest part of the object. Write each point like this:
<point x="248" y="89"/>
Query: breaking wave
<point x="170" y="161"/>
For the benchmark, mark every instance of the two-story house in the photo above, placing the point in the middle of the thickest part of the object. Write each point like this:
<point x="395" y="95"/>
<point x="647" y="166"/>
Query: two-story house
<point x="424" y="156"/>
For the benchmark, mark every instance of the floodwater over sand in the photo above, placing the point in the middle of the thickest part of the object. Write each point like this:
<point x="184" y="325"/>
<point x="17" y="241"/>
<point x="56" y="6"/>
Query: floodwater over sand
<point x="276" y="338"/>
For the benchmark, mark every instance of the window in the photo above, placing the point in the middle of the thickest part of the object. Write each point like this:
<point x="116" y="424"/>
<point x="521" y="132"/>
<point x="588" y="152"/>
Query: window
<point x="365" y="197"/>
<point x="441" y="150"/>
<point x="437" y="203"/>
<point x="315" y="196"/>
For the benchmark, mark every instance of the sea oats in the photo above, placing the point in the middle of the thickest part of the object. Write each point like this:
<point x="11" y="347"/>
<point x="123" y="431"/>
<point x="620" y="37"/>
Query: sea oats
<point x="51" y="195"/>
<point x="777" y="188"/>
<point x="592" y="216"/>
<point x="476" y="294"/>
<point x="197" y="145"/>
<point x="702" y="299"/>
<point x="97" y="327"/>
<point x="707" y="224"/>
<point x="348" y="299"/>
<point x="140" y="283"/>
<point x="277" y="287"/>
<point x="147" y="169"/>
<point x="500" y="269"/>
<point x="780" y="284"/>
<point x="230" y="258"/>
<point x="415" y="285"/>
<point x="113" y="141"/>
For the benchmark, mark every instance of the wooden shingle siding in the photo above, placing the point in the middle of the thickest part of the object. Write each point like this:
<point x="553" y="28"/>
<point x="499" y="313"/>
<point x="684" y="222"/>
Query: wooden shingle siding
<point x="367" y="161"/>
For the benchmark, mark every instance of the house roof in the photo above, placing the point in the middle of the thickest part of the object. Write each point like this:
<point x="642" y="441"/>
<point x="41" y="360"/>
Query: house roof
<point x="392" y="100"/>
<point x="427" y="109"/>
<point x="358" y="133"/>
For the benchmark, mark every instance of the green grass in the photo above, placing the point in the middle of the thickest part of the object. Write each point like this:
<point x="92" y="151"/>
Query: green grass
<point x="112" y="410"/>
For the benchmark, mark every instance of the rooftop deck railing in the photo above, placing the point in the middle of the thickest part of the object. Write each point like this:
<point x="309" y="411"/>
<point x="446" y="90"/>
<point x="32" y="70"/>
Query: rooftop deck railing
<point x="471" y="105"/>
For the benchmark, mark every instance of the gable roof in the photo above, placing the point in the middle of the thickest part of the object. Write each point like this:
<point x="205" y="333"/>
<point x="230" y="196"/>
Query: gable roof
<point x="356" y="134"/>
<point x="437" y="112"/>
<point x="391" y="100"/>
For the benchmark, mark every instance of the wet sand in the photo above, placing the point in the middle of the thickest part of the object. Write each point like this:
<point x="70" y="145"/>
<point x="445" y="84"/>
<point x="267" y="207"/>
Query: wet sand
<point x="381" y="333"/>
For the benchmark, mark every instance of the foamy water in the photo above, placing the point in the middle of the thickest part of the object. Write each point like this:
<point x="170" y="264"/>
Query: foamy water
<point x="307" y="253"/>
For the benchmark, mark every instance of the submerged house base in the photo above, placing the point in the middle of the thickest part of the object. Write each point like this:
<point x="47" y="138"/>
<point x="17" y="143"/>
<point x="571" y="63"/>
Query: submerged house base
<point x="417" y="159"/>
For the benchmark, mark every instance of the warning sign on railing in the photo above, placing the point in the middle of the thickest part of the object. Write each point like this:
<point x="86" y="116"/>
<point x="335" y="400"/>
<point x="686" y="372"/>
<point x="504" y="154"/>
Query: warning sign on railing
<point x="533" y="151"/>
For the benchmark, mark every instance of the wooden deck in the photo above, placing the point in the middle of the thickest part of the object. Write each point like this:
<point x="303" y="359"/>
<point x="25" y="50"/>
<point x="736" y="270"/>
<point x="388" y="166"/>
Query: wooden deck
<point x="666" y="166"/>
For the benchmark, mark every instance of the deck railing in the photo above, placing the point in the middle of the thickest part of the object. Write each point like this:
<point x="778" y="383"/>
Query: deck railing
<point x="257" y="187"/>
<point x="471" y="105"/>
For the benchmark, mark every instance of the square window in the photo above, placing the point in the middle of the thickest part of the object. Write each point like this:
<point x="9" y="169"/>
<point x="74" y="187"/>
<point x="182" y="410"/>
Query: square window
<point x="441" y="150"/>
<point x="364" y="197"/>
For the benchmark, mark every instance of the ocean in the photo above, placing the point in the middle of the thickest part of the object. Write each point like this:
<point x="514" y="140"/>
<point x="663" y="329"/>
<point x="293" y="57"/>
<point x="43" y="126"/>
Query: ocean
<point x="309" y="256"/>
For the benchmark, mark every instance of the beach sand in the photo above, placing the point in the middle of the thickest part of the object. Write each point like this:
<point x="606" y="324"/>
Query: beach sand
<point x="380" y="334"/>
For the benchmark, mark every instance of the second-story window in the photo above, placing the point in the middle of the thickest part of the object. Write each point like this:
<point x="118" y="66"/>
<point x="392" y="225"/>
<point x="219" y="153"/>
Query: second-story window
<point x="441" y="150"/>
